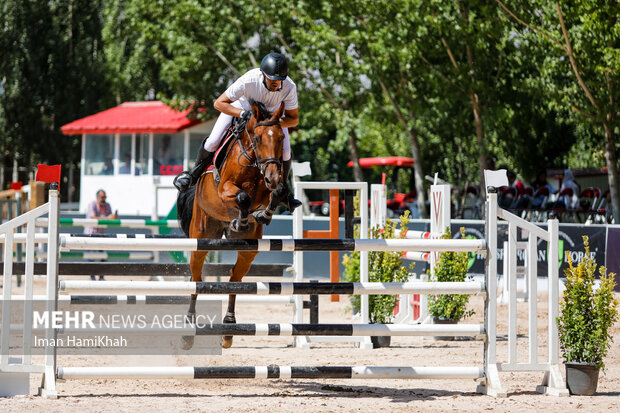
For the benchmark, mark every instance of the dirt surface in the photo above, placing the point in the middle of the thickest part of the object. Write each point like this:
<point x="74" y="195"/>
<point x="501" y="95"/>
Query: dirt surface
<point x="326" y="395"/>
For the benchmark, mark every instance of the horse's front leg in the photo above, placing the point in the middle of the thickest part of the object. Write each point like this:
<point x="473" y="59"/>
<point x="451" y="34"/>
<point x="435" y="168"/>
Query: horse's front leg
<point x="241" y="268"/>
<point x="196" y="261"/>
<point x="234" y="197"/>
<point x="264" y="216"/>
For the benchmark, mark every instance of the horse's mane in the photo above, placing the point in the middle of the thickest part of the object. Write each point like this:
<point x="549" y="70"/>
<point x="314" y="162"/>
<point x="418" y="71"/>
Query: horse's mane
<point x="264" y="113"/>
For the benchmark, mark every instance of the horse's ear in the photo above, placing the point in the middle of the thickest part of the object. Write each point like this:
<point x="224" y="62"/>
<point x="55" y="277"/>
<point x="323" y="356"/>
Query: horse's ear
<point x="278" y="114"/>
<point x="256" y="112"/>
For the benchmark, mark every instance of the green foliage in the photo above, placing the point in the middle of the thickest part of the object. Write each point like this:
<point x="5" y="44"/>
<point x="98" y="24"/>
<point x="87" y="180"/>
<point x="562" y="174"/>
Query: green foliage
<point x="383" y="266"/>
<point x="51" y="72"/>
<point x="587" y="314"/>
<point x="373" y="76"/>
<point x="451" y="267"/>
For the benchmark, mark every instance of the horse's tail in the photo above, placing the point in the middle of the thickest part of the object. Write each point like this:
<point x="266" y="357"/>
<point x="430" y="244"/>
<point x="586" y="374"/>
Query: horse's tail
<point x="185" y="208"/>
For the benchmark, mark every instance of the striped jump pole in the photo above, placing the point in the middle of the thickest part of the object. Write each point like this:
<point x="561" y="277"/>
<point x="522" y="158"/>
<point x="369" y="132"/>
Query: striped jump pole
<point x="112" y="223"/>
<point x="269" y="288"/>
<point x="161" y="243"/>
<point x="155" y="299"/>
<point x="107" y="255"/>
<point x="98" y="255"/>
<point x="288" y="330"/>
<point x="271" y="372"/>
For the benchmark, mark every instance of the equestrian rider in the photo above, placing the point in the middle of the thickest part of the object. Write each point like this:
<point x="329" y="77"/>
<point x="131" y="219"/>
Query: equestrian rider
<point x="268" y="84"/>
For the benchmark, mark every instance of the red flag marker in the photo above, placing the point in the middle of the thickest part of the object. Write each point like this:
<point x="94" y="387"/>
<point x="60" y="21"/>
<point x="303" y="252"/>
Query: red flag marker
<point x="48" y="173"/>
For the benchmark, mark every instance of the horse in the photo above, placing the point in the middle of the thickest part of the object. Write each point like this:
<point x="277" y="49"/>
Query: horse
<point x="240" y="202"/>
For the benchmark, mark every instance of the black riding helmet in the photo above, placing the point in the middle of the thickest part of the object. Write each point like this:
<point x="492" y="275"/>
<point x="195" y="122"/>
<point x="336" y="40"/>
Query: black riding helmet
<point x="274" y="66"/>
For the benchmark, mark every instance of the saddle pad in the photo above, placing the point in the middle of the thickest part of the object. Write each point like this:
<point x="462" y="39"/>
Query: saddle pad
<point x="221" y="152"/>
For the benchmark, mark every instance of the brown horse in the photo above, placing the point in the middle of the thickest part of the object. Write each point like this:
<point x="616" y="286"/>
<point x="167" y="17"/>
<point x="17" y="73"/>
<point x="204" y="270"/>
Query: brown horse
<point x="249" y="189"/>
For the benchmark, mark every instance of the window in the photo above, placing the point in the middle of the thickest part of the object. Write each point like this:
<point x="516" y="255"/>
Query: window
<point x="167" y="154"/>
<point x="124" y="155"/>
<point x="142" y="154"/>
<point x="99" y="153"/>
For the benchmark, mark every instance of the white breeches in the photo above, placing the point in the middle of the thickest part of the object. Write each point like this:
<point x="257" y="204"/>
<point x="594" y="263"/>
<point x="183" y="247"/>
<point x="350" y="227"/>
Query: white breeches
<point x="222" y="124"/>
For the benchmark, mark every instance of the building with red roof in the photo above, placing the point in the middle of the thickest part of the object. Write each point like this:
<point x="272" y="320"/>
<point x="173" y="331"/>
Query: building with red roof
<point x="133" y="151"/>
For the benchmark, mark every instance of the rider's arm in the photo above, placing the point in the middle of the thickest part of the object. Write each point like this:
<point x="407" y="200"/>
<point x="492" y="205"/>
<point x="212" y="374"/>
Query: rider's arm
<point x="290" y="119"/>
<point x="223" y="104"/>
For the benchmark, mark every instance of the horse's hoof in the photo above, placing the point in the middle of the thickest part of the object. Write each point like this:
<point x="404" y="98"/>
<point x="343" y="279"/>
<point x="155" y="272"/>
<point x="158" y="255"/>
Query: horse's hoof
<point x="237" y="227"/>
<point x="262" y="217"/>
<point x="227" y="341"/>
<point x="187" y="342"/>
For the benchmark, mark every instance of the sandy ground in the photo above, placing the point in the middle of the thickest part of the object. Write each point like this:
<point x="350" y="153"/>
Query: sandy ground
<point x="326" y="395"/>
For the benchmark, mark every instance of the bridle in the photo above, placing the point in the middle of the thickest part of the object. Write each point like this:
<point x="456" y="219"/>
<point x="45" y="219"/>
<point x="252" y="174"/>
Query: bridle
<point x="259" y="163"/>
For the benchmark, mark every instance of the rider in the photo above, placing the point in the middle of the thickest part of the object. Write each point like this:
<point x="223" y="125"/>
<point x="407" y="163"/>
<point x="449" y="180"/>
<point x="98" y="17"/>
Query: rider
<point x="268" y="84"/>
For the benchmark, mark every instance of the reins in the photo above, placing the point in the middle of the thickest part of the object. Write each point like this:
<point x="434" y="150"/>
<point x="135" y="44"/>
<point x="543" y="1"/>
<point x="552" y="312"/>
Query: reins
<point x="259" y="163"/>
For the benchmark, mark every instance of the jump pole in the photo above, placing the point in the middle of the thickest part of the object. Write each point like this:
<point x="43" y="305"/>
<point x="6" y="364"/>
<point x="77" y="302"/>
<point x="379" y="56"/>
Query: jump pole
<point x="271" y="372"/>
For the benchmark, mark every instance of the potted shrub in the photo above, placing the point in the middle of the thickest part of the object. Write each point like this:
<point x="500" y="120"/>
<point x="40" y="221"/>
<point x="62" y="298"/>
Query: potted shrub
<point x="449" y="308"/>
<point x="586" y="316"/>
<point x="383" y="266"/>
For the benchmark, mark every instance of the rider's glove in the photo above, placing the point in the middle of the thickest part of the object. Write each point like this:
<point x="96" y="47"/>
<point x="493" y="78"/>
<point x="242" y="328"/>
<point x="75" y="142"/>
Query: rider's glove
<point x="245" y="115"/>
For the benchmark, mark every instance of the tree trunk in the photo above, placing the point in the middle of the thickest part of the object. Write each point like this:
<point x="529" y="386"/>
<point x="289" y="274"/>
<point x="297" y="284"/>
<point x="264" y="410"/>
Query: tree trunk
<point x="612" y="171"/>
<point x="482" y="159"/>
<point x="418" y="172"/>
<point x="355" y="157"/>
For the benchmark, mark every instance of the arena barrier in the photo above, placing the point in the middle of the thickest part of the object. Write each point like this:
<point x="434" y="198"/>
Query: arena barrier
<point x="487" y="374"/>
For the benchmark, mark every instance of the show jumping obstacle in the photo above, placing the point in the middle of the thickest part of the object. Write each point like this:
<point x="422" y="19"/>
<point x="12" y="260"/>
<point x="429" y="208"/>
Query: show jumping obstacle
<point x="487" y="374"/>
<point x="414" y="308"/>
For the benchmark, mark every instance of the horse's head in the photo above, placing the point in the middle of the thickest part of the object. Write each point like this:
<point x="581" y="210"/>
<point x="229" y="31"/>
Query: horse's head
<point x="267" y="137"/>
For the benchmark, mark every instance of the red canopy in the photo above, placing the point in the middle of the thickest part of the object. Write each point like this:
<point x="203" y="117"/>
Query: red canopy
<point x="383" y="161"/>
<point x="132" y="117"/>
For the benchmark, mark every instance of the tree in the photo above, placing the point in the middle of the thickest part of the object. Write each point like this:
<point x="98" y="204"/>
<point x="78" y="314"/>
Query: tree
<point x="584" y="38"/>
<point x="51" y="73"/>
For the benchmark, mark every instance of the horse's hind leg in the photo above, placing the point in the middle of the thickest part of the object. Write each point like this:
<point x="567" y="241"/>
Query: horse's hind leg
<point x="241" y="268"/>
<point x="196" y="261"/>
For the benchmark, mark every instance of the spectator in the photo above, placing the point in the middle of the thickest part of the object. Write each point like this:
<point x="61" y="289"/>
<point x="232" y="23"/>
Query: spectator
<point x="539" y="183"/>
<point x="508" y="196"/>
<point x="99" y="209"/>
<point x="491" y="164"/>
<point x="569" y="202"/>
<point x="125" y="169"/>
<point x="108" y="168"/>
<point x="514" y="182"/>
<point x="126" y="166"/>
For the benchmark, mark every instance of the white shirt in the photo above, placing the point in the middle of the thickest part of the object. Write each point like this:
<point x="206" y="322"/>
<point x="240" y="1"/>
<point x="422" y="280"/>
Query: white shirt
<point x="251" y="86"/>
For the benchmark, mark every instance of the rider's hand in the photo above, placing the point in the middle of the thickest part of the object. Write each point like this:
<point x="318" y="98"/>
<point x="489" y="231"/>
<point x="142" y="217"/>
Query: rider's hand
<point x="245" y="115"/>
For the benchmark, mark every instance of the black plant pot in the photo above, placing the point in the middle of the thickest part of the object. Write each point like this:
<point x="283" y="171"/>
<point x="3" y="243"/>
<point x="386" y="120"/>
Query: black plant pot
<point x="441" y="320"/>
<point x="380" y="341"/>
<point x="582" y="378"/>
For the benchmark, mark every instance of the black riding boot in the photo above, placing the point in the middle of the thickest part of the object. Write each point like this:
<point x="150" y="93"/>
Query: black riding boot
<point x="188" y="178"/>
<point x="290" y="202"/>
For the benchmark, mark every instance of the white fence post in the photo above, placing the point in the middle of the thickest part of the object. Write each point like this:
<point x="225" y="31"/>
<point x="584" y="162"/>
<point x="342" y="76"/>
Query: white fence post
<point x="553" y="383"/>
<point x="49" y="377"/>
<point x="492" y="385"/>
